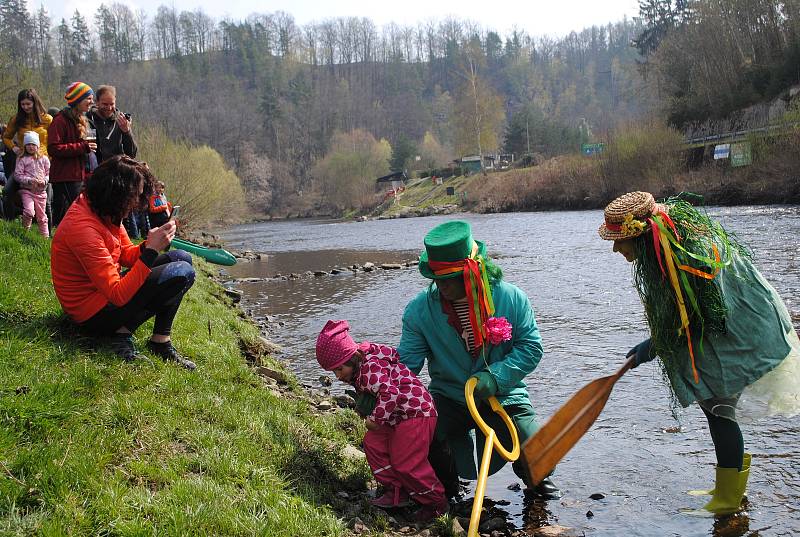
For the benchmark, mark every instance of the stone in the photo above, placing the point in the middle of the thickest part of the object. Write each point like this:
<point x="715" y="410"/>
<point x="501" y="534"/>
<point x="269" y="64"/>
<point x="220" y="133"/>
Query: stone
<point x="456" y="528"/>
<point x="557" y="531"/>
<point x="278" y="376"/>
<point x="369" y="267"/>
<point x="391" y="266"/>
<point x="324" y="405"/>
<point x="493" y="524"/>
<point x="318" y="273"/>
<point x="352" y="452"/>
<point x="597" y="496"/>
<point x="325" y="380"/>
<point x="234" y="295"/>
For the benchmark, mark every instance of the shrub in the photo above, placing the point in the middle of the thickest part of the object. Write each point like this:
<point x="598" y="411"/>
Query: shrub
<point x="196" y="178"/>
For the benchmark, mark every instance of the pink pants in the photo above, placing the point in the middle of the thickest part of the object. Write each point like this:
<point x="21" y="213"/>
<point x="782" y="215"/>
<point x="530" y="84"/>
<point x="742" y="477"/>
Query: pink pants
<point x="34" y="203"/>
<point x="398" y="457"/>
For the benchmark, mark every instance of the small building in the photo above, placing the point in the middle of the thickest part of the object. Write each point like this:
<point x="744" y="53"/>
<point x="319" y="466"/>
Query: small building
<point x="395" y="180"/>
<point x="472" y="163"/>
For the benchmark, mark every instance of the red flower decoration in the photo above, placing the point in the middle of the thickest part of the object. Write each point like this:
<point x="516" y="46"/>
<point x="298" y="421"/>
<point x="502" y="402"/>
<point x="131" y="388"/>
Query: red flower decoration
<point x="498" y="329"/>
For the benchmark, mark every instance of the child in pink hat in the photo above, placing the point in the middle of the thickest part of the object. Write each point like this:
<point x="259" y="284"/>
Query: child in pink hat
<point x="400" y="427"/>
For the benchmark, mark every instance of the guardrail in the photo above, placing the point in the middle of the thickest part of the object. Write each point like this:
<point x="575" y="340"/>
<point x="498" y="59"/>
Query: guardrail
<point x="738" y="136"/>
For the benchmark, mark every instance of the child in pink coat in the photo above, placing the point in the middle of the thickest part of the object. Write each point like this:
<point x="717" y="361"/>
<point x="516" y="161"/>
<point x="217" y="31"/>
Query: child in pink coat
<point x="32" y="174"/>
<point x="401" y="426"/>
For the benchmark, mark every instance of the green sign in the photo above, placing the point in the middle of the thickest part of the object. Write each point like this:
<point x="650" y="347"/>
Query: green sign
<point x="741" y="154"/>
<point x="592" y="149"/>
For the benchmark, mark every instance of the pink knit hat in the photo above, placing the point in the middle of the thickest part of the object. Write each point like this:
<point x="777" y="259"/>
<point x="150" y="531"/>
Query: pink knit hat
<point x="334" y="345"/>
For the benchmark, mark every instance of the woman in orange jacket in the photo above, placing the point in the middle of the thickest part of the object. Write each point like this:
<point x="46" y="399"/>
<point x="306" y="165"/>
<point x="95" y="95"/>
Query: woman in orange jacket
<point x="91" y="246"/>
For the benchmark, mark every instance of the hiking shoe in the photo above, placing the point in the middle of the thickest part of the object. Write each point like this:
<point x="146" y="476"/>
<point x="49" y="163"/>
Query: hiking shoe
<point x="392" y="498"/>
<point x="169" y="353"/>
<point x="122" y="345"/>
<point x="426" y="513"/>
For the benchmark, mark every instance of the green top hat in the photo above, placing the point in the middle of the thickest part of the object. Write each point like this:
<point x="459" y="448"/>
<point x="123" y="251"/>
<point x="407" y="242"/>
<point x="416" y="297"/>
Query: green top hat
<point x="451" y="241"/>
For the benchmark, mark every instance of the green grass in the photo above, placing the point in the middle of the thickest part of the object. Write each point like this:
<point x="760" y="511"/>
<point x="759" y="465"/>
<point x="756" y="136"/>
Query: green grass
<point x="93" y="446"/>
<point x="422" y="194"/>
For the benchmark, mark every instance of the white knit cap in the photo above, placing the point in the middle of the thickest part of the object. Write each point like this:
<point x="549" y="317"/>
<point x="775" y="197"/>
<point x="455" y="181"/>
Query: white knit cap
<point x="30" y="137"/>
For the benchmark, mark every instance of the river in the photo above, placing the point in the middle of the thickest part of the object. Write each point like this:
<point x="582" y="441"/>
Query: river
<point x="638" y="455"/>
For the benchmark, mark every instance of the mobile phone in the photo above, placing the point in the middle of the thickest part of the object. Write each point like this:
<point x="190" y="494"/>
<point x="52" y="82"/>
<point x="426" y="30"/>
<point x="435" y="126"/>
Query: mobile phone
<point x="176" y="209"/>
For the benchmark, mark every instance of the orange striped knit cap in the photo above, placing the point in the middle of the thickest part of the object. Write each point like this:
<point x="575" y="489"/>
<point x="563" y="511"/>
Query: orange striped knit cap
<point x="76" y="92"/>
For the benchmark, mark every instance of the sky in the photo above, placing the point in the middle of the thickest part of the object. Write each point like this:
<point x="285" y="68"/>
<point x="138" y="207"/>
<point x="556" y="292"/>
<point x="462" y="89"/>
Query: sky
<point x="553" y="17"/>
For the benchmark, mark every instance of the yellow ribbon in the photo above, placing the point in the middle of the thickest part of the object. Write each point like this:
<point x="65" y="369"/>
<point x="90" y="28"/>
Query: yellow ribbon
<point x="673" y="278"/>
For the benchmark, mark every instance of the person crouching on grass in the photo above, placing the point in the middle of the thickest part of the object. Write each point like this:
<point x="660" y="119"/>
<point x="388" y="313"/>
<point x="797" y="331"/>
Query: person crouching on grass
<point x="400" y="427"/>
<point x="90" y="247"/>
<point x="723" y="334"/>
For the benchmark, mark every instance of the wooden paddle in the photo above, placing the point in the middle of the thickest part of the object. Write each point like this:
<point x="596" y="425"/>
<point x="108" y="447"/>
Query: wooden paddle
<point x="543" y="450"/>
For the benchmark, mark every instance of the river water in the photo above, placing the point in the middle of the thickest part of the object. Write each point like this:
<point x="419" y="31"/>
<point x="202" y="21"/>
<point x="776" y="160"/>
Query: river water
<point x="638" y="454"/>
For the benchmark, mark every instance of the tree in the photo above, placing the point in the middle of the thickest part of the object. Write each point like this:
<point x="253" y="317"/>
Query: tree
<point x="82" y="50"/>
<point x="479" y="111"/>
<point x="432" y="153"/>
<point x="349" y="170"/>
<point x="403" y="153"/>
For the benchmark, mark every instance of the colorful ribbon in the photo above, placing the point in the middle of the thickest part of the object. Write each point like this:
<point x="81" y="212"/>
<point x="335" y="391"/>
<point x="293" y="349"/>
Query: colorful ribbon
<point x="476" y="285"/>
<point x="663" y="240"/>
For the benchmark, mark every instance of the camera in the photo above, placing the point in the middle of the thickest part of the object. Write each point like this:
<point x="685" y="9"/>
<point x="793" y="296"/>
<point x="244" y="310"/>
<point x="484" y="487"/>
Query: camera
<point x="127" y="116"/>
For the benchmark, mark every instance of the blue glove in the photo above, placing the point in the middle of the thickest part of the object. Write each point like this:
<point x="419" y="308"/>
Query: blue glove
<point x="486" y="386"/>
<point x="643" y="352"/>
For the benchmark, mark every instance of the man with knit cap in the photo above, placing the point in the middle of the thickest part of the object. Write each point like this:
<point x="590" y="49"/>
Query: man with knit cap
<point x="69" y="148"/>
<point x="470" y="323"/>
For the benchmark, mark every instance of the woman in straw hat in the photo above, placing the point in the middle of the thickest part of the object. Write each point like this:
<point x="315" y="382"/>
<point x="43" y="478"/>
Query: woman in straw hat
<point x="723" y="334"/>
<point x="470" y="323"/>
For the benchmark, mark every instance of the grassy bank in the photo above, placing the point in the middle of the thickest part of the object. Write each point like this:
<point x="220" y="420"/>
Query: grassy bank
<point x="90" y="445"/>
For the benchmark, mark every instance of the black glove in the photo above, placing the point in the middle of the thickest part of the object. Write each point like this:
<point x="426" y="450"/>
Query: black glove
<point x="643" y="352"/>
<point x="365" y="404"/>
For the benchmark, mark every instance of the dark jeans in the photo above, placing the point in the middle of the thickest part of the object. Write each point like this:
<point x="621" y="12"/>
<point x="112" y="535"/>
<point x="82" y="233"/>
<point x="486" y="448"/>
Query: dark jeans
<point x="9" y="193"/>
<point x="64" y="193"/>
<point x="451" y="440"/>
<point x="9" y="208"/>
<point x="160" y="295"/>
<point x="137" y="225"/>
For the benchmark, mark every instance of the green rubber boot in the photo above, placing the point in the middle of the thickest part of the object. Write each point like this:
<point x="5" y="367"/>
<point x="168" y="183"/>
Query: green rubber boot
<point x="729" y="489"/>
<point x="745" y="467"/>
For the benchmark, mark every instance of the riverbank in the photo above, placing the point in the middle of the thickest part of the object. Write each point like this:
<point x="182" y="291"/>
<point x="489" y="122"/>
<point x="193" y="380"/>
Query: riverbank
<point x="90" y="445"/>
<point x="646" y="157"/>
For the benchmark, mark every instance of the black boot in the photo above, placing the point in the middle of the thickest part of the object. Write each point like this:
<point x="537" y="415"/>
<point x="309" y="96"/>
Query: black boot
<point x="169" y="353"/>
<point x="545" y="490"/>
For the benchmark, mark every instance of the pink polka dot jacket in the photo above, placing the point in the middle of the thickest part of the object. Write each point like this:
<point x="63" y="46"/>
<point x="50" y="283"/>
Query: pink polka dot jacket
<point x="399" y="393"/>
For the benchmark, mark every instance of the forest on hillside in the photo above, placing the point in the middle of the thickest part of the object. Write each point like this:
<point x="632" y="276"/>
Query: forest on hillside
<point x="309" y="112"/>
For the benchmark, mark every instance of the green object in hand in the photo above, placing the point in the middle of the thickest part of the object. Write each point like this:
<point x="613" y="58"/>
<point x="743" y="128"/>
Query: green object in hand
<point x="486" y="386"/>
<point x="365" y="404"/>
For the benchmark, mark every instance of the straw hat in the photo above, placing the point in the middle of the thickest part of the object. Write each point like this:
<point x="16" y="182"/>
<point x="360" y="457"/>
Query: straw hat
<point x="626" y="217"/>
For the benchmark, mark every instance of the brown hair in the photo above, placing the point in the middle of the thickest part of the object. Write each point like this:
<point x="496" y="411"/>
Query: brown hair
<point x="113" y="188"/>
<point x="37" y="112"/>
<point x="102" y="90"/>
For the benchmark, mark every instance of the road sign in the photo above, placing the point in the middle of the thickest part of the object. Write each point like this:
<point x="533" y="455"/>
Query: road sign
<point x="592" y="149"/>
<point x="741" y="154"/>
<point x="722" y="151"/>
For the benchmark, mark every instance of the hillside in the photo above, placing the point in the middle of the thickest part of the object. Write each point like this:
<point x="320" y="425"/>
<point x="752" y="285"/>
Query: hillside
<point x="90" y="445"/>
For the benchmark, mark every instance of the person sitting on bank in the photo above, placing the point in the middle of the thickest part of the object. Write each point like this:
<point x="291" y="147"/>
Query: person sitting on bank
<point x="723" y="334"/>
<point x="446" y="324"/>
<point x="90" y="247"/>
